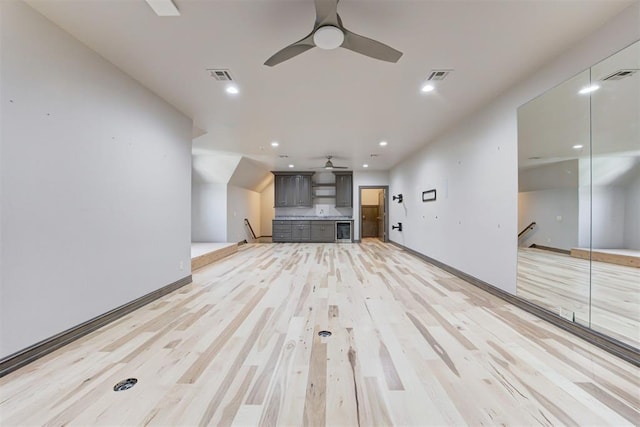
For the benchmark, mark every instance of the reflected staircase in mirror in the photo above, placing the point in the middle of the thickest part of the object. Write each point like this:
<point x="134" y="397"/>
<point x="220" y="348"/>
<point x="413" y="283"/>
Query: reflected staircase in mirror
<point x="526" y="230"/>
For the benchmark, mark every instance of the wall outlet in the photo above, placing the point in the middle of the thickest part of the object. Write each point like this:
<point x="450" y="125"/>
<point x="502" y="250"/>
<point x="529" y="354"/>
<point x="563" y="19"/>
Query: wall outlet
<point x="181" y="265"/>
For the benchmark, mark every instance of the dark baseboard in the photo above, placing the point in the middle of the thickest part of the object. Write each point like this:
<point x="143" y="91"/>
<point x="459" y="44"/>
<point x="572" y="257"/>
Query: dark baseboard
<point x="611" y="345"/>
<point x="23" y="357"/>
<point x="549" y="248"/>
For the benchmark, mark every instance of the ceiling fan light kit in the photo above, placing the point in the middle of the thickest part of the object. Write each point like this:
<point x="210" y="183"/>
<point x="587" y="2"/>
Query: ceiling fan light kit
<point x="328" y="37"/>
<point x="329" y="33"/>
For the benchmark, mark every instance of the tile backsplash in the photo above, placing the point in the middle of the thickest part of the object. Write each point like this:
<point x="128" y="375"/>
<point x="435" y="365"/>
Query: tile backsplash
<point x="316" y="210"/>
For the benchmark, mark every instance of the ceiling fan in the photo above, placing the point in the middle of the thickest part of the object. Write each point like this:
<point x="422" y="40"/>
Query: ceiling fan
<point x="329" y="165"/>
<point x="329" y="33"/>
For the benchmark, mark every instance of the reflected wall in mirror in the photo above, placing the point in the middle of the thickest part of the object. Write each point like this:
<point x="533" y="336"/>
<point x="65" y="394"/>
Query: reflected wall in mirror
<point x="615" y="196"/>
<point x="579" y="198"/>
<point x="553" y="138"/>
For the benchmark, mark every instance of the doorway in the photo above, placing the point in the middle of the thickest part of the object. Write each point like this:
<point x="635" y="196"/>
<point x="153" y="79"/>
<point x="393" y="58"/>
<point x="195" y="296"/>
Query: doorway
<point x="373" y="209"/>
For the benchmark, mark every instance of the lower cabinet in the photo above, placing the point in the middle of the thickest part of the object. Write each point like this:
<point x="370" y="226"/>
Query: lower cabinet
<point x="323" y="231"/>
<point x="300" y="231"/>
<point x="281" y="231"/>
<point x="288" y="231"/>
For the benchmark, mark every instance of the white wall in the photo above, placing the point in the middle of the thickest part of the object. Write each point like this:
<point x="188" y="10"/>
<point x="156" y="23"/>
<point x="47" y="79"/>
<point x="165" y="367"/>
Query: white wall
<point x="610" y="208"/>
<point x="553" y="175"/>
<point x="267" y="210"/>
<point x="555" y="212"/>
<point x="473" y="224"/>
<point x="241" y="204"/>
<point x="632" y="213"/>
<point x="95" y="178"/>
<point x="208" y="212"/>
<point x="584" y="203"/>
<point x="607" y="217"/>
<point x="548" y="196"/>
<point x="373" y="178"/>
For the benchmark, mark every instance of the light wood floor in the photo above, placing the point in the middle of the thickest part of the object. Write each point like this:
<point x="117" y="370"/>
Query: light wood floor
<point x="565" y="284"/>
<point x="411" y="345"/>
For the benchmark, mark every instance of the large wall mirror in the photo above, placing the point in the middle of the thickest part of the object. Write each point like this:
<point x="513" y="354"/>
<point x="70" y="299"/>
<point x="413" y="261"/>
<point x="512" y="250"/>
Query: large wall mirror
<point x="579" y="198"/>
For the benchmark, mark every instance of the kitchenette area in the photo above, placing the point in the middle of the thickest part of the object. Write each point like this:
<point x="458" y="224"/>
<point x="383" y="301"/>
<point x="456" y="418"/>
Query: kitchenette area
<point x="313" y="207"/>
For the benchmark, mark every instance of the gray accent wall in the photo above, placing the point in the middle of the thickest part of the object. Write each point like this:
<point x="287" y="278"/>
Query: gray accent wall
<point x="95" y="182"/>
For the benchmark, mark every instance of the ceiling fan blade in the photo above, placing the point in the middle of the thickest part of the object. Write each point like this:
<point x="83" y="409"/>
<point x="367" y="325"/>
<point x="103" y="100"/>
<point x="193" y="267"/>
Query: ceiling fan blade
<point x="326" y="13"/>
<point x="370" y="47"/>
<point x="341" y="167"/>
<point x="290" y="51"/>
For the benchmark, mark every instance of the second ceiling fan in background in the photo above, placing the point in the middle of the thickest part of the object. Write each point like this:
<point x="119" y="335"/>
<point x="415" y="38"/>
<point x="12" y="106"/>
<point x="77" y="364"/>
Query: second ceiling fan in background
<point x="329" y="165"/>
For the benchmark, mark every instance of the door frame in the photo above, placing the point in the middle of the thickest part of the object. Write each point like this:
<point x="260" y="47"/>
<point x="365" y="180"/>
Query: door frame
<point x="384" y="188"/>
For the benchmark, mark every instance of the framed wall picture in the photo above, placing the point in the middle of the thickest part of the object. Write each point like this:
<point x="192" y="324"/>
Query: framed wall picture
<point x="429" y="195"/>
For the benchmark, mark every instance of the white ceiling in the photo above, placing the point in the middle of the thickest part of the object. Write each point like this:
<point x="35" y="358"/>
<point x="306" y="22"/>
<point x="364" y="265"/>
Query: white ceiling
<point x="328" y="102"/>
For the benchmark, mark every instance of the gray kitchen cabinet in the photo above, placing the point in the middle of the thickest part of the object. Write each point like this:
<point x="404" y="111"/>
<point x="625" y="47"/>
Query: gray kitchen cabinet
<point x="293" y="189"/>
<point x="281" y="231"/>
<point x="300" y="231"/>
<point x="283" y="190"/>
<point x="291" y="231"/>
<point x="323" y="231"/>
<point x="304" y="191"/>
<point x="344" y="189"/>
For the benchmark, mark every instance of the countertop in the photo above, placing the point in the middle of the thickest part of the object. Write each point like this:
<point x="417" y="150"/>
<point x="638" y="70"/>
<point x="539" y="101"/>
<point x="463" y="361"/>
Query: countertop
<point x="313" y="218"/>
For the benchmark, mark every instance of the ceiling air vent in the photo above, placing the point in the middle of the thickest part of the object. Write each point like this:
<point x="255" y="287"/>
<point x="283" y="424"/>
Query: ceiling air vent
<point x="438" y="74"/>
<point x="620" y="74"/>
<point x="220" y="74"/>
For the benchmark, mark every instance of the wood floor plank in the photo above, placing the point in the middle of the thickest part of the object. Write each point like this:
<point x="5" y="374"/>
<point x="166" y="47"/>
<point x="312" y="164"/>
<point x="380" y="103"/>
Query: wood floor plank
<point x="410" y="345"/>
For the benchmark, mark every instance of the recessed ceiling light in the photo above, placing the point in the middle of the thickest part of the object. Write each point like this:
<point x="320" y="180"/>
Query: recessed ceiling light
<point x="291" y="166"/>
<point x="365" y="165"/>
<point x="588" y="89"/>
<point x="383" y="143"/>
<point x="275" y="144"/>
<point x="577" y="146"/>
<point x="233" y="90"/>
<point x="427" y="88"/>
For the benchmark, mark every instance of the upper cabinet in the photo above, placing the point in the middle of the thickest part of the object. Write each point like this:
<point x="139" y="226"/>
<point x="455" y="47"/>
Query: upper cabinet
<point x="293" y="189"/>
<point x="344" y="189"/>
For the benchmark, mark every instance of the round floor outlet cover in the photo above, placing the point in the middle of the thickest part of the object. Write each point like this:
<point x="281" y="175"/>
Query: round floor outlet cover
<point x="125" y="385"/>
<point x="324" y="333"/>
